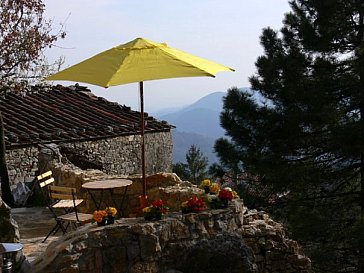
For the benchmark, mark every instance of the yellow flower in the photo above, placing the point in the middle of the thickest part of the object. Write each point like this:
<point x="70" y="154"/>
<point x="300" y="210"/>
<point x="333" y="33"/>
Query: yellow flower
<point x="205" y="183"/>
<point x="111" y="210"/>
<point x="214" y="188"/>
<point x="147" y="209"/>
<point x="184" y="204"/>
<point x="235" y="194"/>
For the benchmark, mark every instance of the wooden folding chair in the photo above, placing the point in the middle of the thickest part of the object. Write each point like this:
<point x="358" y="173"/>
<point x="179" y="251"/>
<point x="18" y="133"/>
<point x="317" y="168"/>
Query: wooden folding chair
<point x="64" y="199"/>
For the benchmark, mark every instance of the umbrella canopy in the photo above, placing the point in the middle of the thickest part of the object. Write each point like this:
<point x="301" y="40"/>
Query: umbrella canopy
<point x="137" y="61"/>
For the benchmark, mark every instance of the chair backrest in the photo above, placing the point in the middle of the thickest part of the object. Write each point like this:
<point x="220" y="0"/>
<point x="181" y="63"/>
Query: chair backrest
<point x="56" y="193"/>
<point x="62" y="193"/>
<point x="45" y="179"/>
<point x="59" y="196"/>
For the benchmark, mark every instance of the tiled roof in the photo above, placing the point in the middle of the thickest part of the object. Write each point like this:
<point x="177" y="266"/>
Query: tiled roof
<point x="58" y="113"/>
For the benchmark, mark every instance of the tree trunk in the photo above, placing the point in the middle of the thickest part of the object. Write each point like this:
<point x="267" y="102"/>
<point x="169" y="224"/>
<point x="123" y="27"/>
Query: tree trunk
<point x="4" y="176"/>
<point x="361" y="87"/>
<point x="361" y="228"/>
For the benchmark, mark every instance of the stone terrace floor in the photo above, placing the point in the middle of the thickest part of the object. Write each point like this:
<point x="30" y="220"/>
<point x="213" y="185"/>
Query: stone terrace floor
<point x="34" y="224"/>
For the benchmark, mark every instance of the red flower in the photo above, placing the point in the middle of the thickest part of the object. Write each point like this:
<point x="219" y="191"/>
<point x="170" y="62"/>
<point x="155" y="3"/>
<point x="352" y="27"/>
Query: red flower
<point x="196" y="204"/>
<point x="159" y="206"/>
<point x="226" y="195"/>
<point x="158" y="203"/>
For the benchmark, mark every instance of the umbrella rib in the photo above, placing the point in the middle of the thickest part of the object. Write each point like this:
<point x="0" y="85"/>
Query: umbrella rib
<point x="109" y="82"/>
<point x="165" y="50"/>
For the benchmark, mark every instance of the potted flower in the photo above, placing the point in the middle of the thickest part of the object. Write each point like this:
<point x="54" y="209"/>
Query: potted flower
<point x="100" y="217"/>
<point x="222" y="199"/>
<point x="111" y="212"/>
<point x="155" y="210"/>
<point x="205" y="184"/>
<point x="193" y="204"/>
<point x="105" y="217"/>
<point x="214" y="188"/>
<point x="226" y="194"/>
<point x="214" y="202"/>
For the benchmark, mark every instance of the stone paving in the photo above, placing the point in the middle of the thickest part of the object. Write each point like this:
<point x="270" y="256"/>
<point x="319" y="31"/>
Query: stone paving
<point x="34" y="224"/>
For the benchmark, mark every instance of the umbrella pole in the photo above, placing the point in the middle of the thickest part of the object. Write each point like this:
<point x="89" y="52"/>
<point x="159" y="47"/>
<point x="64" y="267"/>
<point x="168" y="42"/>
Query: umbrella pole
<point x="143" y="197"/>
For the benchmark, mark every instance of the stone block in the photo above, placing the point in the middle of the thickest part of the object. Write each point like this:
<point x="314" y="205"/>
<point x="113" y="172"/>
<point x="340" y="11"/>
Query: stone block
<point x="149" y="245"/>
<point x="179" y="230"/>
<point x="133" y="250"/>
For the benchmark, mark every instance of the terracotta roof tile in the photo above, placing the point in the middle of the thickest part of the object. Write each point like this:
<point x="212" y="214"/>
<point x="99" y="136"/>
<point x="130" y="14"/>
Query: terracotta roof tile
<point x="58" y="113"/>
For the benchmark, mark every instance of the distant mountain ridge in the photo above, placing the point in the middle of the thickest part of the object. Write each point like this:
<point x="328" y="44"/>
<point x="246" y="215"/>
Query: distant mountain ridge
<point x="183" y="141"/>
<point x="201" y="117"/>
<point x="197" y="124"/>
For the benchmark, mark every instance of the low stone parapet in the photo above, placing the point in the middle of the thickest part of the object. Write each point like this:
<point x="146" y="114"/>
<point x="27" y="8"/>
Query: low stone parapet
<point x="229" y="240"/>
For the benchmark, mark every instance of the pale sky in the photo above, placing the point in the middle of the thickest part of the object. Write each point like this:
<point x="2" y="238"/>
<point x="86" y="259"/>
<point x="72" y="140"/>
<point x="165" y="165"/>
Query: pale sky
<point x="226" y="32"/>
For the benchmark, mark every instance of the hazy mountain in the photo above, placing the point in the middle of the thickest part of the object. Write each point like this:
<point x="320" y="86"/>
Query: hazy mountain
<point x="165" y="111"/>
<point x="212" y="101"/>
<point x="197" y="124"/>
<point x="201" y="117"/>
<point x="183" y="141"/>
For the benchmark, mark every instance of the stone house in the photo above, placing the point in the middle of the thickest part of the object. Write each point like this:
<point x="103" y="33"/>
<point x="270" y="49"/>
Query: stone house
<point x="89" y="131"/>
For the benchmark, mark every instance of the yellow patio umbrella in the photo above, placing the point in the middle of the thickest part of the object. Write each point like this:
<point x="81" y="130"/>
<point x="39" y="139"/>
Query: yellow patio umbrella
<point x="137" y="61"/>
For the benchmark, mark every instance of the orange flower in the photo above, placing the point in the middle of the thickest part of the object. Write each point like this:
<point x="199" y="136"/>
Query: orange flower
<point x="214" y="188"/>
<point x="99" y="215"/>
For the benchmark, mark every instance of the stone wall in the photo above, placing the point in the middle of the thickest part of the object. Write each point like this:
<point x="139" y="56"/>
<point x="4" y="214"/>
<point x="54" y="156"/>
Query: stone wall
<point x="22" y="164"/>
<point x="214" y="241"/>
<point x="122" y="155"/>
<point x="119" y="155"/>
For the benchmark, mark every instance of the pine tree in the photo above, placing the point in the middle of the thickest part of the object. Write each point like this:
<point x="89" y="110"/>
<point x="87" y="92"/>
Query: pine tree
<point x="196" y="164"/>
<point x="181" y="170"/>
<point x="307" y="137"/>
<point x="195" y="169"/>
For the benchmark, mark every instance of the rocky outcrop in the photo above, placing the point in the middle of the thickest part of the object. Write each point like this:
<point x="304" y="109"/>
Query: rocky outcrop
<point x="9" y="232"/>
<point x="230" y="240"/>
<point x="273" y="251"/>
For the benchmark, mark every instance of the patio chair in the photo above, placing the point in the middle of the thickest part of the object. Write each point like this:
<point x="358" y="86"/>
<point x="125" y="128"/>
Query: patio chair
<point x="62" y="199"/>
